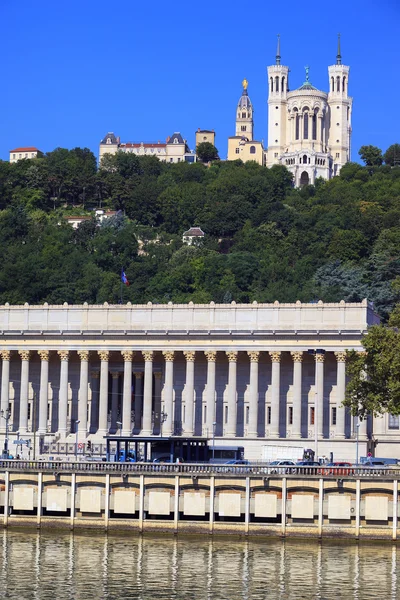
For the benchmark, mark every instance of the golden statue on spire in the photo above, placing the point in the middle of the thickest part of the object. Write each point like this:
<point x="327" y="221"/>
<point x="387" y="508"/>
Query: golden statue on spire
<point x="245" y="83"/>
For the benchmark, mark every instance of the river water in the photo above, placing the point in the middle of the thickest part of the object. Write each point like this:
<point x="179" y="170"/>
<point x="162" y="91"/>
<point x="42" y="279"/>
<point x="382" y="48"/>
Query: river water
<point x="59" y="566"/>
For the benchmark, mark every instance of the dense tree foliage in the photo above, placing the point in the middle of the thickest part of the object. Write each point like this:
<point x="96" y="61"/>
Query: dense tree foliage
<point x="264" y="240"/>
<point x="206" y="152"/>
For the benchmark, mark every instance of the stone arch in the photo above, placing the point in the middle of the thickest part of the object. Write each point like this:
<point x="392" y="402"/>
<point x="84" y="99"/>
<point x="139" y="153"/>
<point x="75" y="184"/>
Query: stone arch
<point x="304" y="179"/>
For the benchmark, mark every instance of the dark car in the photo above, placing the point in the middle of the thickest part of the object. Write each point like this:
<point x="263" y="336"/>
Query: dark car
<point x="237" y="462"/>
<point x="307" y="463"/>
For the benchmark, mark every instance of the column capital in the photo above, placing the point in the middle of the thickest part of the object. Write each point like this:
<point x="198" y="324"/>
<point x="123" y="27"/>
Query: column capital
<point x="320" y="358"/>
<point x="168" y="355"/>
<point x="297" y="356"/>
<point x="63" y="354"/>
<point x="189" y="355"/>
<point x="275" y="356"/>
<point x="83" y="355"/>
<point x="210" y="355"/>
<point x="115" y="374"/>
<point x="24" y="354"/>
<point x="5" y="354"/>
<point x="104" y="355"/>
<point x="340" y="356"/>
<point x="127" y="355"/>
<point x="157" y="375"/>
<point x="138" y="374"/>
<point x="253" y="355"/>
<point x="44" y="355"/>
<point x="232" y="356"/>
<point x="148" y="355"/>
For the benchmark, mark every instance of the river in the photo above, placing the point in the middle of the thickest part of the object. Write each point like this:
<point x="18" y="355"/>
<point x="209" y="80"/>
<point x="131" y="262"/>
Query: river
<point x="60" y="566"/>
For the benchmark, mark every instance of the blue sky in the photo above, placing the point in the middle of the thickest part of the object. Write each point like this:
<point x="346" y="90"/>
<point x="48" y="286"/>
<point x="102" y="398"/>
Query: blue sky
<point x="73" y="70"/>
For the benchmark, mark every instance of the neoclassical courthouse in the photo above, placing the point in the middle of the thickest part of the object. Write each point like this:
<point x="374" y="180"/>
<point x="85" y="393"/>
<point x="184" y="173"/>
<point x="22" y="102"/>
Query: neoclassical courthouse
<point x="242" y="372"/>
<point x="309" y="131"/>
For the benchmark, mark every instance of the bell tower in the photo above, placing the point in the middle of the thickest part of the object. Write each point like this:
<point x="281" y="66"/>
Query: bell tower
<point x="244" y="114"/>
<point x="278" y="86"/>
<point x="340" y="107"/>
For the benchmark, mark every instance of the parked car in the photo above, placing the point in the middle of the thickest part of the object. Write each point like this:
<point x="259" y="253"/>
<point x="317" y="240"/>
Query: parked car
<point x="282" y="467"/>
<point x="307" y="463"/>
<point x="337" y="468"/>
<point x="237" y="462"/>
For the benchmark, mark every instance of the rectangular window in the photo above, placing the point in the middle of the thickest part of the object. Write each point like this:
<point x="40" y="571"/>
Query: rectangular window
<point x="247" y="415"/>
<point x="269" y="415"/>
<point x="290" y="415"/>
<point x="237" y="150"/>
<point x="305" y="119"/>
<point x="394" y="421"/>
<point x="312" y="413"/>
<point x="276" y="155"/>
<point x="243" y="128"/>
<point x="337" y="154"/>
<point x="226" y="415"/>
<point x="314" y="127"/>
<point x="334" y="415"/>
<point x="297" y="127"/>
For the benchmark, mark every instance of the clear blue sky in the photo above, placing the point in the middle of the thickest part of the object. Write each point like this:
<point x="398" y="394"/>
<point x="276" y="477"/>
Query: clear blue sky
<point x="72" y="70"/>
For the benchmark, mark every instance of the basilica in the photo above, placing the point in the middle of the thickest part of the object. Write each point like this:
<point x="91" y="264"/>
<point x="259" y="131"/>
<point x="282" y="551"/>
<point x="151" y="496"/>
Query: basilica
<point x="309" y="130"/>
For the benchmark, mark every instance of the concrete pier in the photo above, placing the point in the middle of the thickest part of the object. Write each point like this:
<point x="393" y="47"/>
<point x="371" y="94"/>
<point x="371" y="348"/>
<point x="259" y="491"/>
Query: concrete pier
<point x="216" y="499"/>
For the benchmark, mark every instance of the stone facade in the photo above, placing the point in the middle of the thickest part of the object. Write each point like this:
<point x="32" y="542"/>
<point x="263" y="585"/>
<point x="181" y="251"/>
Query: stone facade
<point x="173" y="150"/>
<point x="245" y="368"/>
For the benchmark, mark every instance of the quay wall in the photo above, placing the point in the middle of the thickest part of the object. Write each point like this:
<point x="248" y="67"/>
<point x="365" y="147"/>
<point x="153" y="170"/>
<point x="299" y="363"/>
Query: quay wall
<point x="305" y="502"/>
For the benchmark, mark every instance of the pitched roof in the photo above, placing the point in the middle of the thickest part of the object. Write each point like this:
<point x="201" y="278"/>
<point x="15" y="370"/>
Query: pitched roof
<point x="176" y="136"/>
<point x="195" y="232"/>
<point x="112" y="138"/>
<point x="27" y="149"/>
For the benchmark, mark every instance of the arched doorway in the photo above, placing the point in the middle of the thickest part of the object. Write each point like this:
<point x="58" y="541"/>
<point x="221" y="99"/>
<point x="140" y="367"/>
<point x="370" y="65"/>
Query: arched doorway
<point x="304" y="179"/>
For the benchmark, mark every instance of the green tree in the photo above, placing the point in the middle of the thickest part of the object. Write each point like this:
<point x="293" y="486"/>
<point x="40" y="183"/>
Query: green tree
<point x="374" y="376"/>
<point x="206" y="152"/>
<point x="371" y="155"/>
<point x="392" y="155"/>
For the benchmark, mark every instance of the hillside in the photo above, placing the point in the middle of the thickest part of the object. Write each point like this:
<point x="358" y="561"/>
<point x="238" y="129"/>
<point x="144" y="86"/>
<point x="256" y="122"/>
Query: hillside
<point x="264" y="241"/>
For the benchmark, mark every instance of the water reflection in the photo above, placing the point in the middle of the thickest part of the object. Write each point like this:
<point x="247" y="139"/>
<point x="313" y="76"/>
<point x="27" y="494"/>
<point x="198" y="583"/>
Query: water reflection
<point x="85" y="566"/>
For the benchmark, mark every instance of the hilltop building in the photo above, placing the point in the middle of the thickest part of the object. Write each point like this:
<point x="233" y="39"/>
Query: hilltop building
<point x="205" y="135"/>
<point x="193" y="236"/>
<point x="309" y="130"/>
<point x="242" y="145"/>
<point x="24" y="152"/>
<point x="173" y="150"/>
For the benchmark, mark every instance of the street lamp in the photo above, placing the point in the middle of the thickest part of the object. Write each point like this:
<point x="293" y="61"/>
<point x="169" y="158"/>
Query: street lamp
<point x="6" y="414"/>
<point x="357" y="433"/>
<point x="120" y="427"/>
<point x="315" y="352"/>
<point x="163" y="418"/>
<point x="213" y="440"/>
<point x="76" y="439"/>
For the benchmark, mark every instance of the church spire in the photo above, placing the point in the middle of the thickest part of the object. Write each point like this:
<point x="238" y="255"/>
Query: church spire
<point x="278" y="51"/>
<point x="339" y="55"/>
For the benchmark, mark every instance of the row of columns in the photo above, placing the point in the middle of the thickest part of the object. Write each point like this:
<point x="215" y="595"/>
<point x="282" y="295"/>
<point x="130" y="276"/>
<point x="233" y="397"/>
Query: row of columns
<point x="146" y="425"/>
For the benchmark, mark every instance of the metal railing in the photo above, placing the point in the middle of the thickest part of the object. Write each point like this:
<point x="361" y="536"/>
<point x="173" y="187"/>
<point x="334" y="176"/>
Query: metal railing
<point x="353" y="472"/>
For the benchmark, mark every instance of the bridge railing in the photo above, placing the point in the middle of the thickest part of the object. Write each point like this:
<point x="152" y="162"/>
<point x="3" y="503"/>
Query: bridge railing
<point x="192" y="469"/>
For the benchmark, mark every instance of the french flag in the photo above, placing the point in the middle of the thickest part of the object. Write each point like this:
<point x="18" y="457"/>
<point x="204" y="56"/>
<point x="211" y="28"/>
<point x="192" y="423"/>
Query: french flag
<point x="124" y="278"/>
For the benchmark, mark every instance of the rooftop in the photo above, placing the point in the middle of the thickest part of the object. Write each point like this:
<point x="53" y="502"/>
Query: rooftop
<point x="26" y="149"/>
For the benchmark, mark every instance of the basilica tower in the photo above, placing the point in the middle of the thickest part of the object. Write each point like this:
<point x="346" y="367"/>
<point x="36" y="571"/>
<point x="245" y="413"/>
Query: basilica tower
<point x="244" y="114"/>
<point x="278" y="85"/>
<point x="340" y="105"/>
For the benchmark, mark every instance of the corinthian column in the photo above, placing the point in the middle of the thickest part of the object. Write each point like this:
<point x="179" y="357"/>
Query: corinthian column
<point x="189" y="393"/>
<point x="275" y="392"/>
<point x="319" y="385"/>
<point x="63" y="394"/>
<point x="83" y="393"/>
<point x="232" y="404"/>
<point x="5" y="384"/>
<point x="23" y="401"/>
<point x="127" y="393"/>
<point x="44" y="390"/>
<point x="253" y="396"/>
<point x="297" y="368"/>
<point x="148" y="392"/>
<point x="210" y="394"/>
<point x="114" y="400"/>
<point x="340" y="394"/>
<point x="103" y="396"/>
<point x="169" y="391"/>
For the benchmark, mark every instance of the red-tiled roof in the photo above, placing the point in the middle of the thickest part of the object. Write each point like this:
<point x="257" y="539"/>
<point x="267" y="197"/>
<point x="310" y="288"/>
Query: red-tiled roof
<point x="28" y="149"/>
<point x="81" y="218"/>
